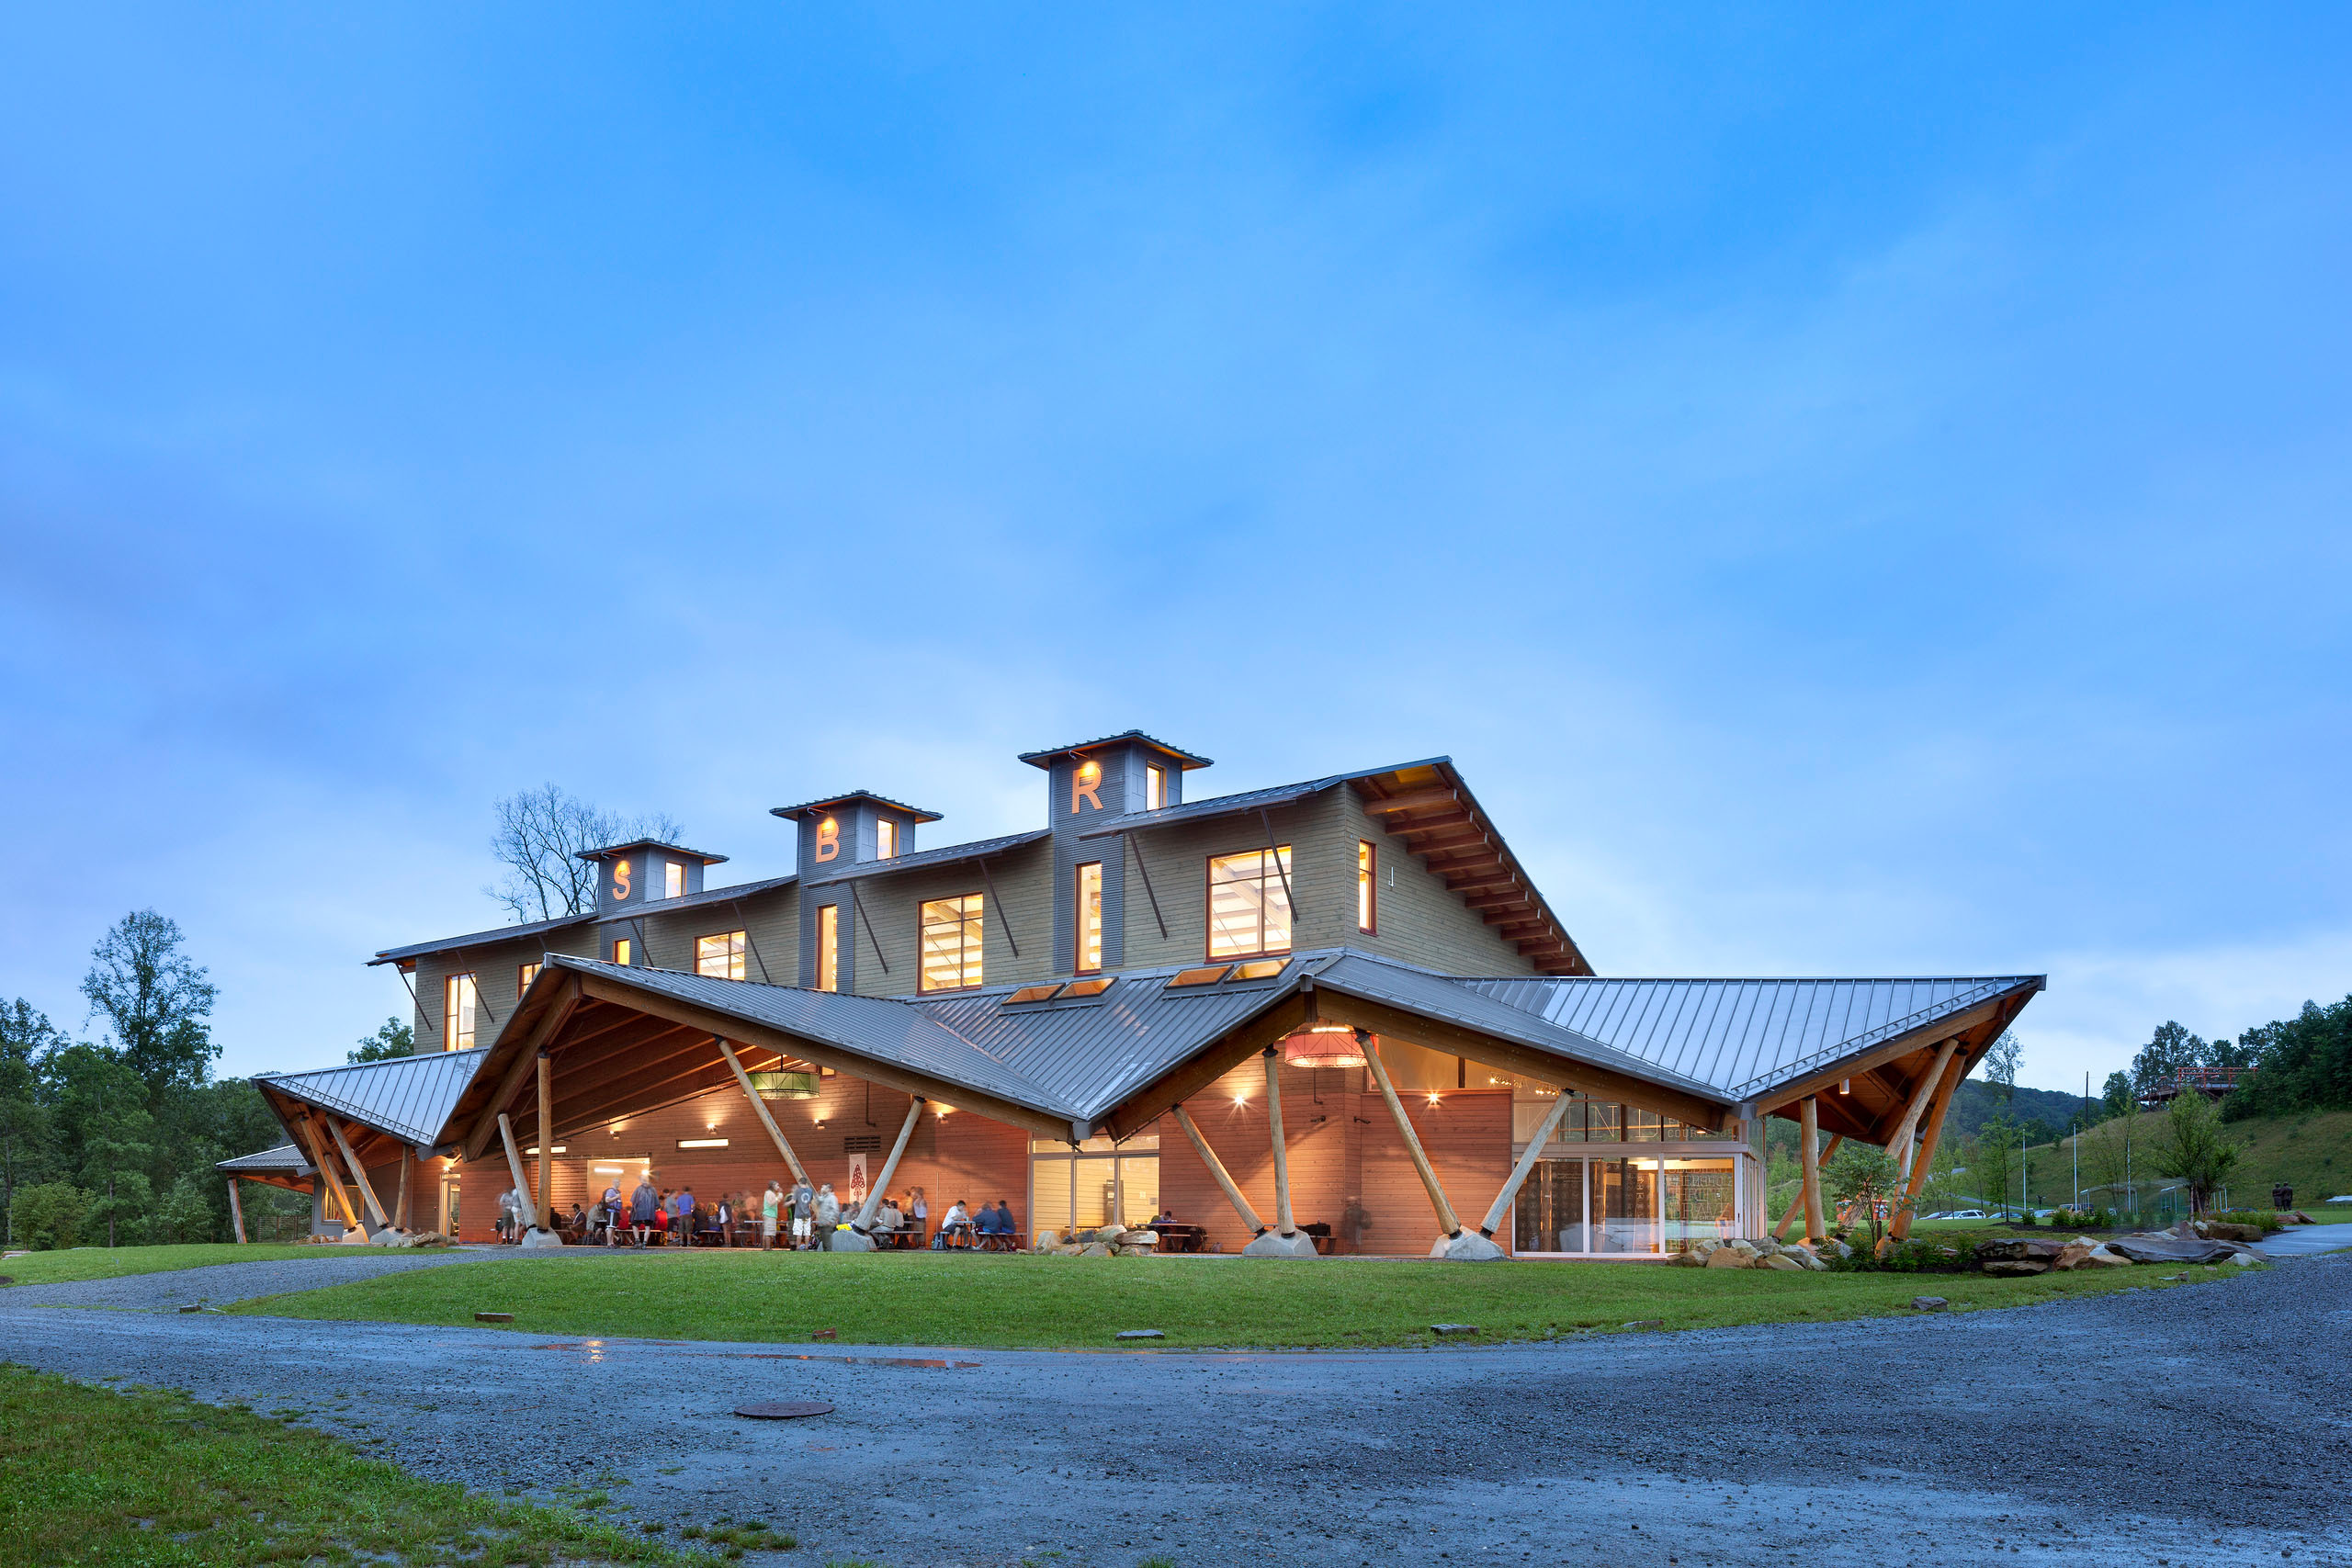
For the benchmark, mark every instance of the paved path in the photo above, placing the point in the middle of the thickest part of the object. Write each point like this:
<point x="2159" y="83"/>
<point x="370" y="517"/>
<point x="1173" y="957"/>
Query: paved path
<point x="2042" y="1434"/>
<point x="2301" y="1240"/>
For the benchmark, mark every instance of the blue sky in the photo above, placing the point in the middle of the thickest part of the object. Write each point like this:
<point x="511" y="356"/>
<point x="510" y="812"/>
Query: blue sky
<point x="1855" y="492"/>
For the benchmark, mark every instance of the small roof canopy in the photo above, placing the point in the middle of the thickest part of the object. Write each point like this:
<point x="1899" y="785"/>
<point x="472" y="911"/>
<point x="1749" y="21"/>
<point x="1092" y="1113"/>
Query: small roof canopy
<point x="1053" y="754"/>
<point x="834" y="802"/>
<point x="611" y="851"/>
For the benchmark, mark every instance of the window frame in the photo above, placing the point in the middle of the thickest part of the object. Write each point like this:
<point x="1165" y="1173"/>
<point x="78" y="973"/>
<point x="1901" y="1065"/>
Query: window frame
<point x="739" y="941"/>
<point x="885" y="838"/>
<point x="524" y="974"/>
<point x="673" y="872"/>
<point x="623" y="951"/>
<point x="829" y="947"/>
<point x="1155" y="786"/>
<point x="1079" y="962"/>
<point x="1367" y="887"/>
<point x="1208" y="906"/>
<point x="450" y="990"/>
<point x="971" y="965"/>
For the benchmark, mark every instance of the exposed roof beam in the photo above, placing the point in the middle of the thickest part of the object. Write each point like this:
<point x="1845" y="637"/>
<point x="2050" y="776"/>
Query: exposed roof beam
<point x="1413" y="800"/>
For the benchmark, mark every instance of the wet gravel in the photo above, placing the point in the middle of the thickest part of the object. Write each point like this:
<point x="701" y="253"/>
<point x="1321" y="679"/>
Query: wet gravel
<point x="2205" y="1424"/>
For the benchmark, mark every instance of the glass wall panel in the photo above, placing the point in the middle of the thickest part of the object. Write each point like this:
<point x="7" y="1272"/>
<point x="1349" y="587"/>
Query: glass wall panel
<point x="1603" y="1123"/>
<point x="1549" y="1215"/>
<point x="1625" y="1206"/>
<point x="1098" y="1181"/>
<point x="1701" y="1202"/>
<point x="1139" y="1190"/>
<point x="1642" y="1126"/>
<point x="1050" y="1195"/>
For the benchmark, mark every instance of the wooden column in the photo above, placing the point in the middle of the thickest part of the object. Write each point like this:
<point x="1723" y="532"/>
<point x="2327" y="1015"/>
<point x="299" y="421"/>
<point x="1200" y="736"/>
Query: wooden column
<point x="325" y="1167"/>
<point x="1509" y="1193"/>
<point x="1924" y="1157"/>
<point x="1273" y="1058"/>
<point x="1224" y="1178"/>
<point x="1780" y="1231"/>
<point x="1899" y="1147"/>
<point x="546" y="1148"/>
<point x="760" y="1109"/>
<point x="399" y="1203"/>
<point x="360" y="1176"/>
<point x="1810" y="1119"/>
<point x="1445" y="1220"/>
<point x="881" y="1184"/>
<point x="514" y="1157"/>
<point x="236" y="1211"/>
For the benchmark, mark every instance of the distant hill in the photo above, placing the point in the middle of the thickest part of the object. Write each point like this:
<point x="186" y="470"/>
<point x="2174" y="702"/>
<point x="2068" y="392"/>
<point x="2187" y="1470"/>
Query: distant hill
<point x="2308" y="1150"/>
<point x="1978" y="1101"/>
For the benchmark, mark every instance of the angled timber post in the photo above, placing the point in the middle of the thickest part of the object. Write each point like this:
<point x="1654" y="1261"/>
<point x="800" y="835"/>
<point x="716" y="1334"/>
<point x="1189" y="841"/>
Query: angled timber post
<point x="1780" y="1232"/>
<point x="515" y="1158"/>
<point x="546" y="1144"/>
<point x="1518" y="1175"/>
<point x="1810" y="1119"/>
<point x="861" y="1227"/>
<point x="310" y="1125"/>
<point x="1923" y="1157"/>
<point x="1445" y="1218"/>
<point x="399" y="1203"/>
<point x="1224" y="1178"/>
<point x="760" y="1109"/>
<point x="1903" y="1142"/>
<point x="236" y="1211"/>
<point x="360" y="1176"/>
<point x="1284" y="1225"/>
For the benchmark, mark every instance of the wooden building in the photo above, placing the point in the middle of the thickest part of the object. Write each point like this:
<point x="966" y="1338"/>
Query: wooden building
<point x="1108" y="1017"/>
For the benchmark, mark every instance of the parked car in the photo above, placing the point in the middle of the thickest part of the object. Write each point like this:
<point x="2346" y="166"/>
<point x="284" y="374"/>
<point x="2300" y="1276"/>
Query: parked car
<point x="1960" y="1214"/>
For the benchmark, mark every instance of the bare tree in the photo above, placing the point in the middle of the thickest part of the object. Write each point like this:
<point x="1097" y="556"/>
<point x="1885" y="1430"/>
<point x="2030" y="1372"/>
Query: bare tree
<point x="540" y="834"/>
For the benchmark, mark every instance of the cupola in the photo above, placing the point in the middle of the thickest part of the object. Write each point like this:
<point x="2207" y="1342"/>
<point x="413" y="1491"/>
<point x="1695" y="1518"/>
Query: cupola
<point x="646" y="871"/>
<point x="850" y="829"/>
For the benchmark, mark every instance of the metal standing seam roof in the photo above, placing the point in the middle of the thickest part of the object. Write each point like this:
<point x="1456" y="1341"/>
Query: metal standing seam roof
<point x="946" y="854"/>
<point x="285" y="1156"/>
<point x="409" y="1097"/>
<point x="477" y="939"/>
<point x="1741" y="1037"/>
<point x="916" y="812"/>
<point x="1051" y="754"/>
<point x="611" y="850"/>
<point x="693" y="900"/>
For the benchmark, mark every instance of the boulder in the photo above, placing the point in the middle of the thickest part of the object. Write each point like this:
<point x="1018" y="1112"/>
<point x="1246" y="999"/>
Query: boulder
<point x="1781" y="1261"/>
<point x="387" y="1237"/>
<point x="1701" y="1251"/>
<point x="2072" y="1255"/>
<point x="2217" y="1231"/>
<point x="1726" y="1258"/>
<point x="1691" y="1259"/>
<point x="1048" y="1240"/>
<point x="1094" y="1249"/>
<point x="2008" y="1266"/>
<point x="1140" y="1239"/>
<point x="1109" y="1234"/>
<point x="1273" y="1244"/>
<point x="2101" y="1257"/>
<point x="2244" y="1260"/>
<point x="2018" y="1249"/>
<point x="2163" y="1247"/>
<point x="1930" y="1303"/>
<point x="847" y="1240"/>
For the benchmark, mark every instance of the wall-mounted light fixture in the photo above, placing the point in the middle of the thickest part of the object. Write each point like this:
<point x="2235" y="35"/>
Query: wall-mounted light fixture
<point x="702" y="1142"/>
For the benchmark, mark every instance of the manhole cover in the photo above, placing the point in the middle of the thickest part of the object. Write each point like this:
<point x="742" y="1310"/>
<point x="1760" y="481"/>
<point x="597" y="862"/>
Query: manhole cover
<point x="784" y="1409"/>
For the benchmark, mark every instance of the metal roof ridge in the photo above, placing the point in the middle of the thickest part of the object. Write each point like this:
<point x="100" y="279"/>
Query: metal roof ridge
<point x="599" y="852"/>
<point x="1745" y="980"/>
<point x="1045" y="759"/>
<point x="1919" y="1018"/>
<point x="385" y="1061"/>
<point x="1183" y="809"/>
<point x="476" y="938"/>
<point x="849" y="794"/>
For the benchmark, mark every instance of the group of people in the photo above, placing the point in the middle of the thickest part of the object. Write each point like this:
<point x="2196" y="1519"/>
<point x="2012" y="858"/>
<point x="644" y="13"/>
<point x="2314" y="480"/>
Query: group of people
<point x="802" y="1217"/>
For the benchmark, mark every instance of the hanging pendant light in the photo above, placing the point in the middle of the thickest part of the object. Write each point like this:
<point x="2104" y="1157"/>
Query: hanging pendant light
<point x="1323" y="1046"/>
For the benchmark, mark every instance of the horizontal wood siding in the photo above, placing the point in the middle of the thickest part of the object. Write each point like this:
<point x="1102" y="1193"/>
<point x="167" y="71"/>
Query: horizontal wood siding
<point x="893" y="901"/>
<point x="1421" y="919"/>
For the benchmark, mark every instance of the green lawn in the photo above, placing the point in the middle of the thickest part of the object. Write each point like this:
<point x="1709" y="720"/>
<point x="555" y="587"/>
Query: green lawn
<point x="108" y="1262"/>
<point x="150" y="1478"/>
<point x="1017" y="1301"/>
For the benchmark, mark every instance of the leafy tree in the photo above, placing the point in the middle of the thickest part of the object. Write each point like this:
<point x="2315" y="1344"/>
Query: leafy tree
<point x="101" y="1108"/>
<point x="25" y="1035"/>
<point x="2195" y="1150"/>
<point x="1865" y="1173"/>
<point x="540" y="835"/>
<point x="49" y="1217"/>
<point x="1998" y="1142"/>
<point x="2001" y="1060"/>
<point x="155" y="1002"/>
<point x="392" y="1041"/>
<point x="2300" y="1064"/>
<point x="2163" y="1060"/>
<point x="185" y="1215"/>
<point x="2117" y="1094"/>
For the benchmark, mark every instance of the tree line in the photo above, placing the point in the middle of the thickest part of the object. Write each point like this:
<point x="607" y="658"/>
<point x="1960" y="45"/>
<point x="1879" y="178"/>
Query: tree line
<point x="113" y="1141"/>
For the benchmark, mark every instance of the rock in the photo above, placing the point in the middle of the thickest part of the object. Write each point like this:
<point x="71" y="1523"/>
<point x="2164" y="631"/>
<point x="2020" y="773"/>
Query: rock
<point x="1471" y="1248"/>
<point x="1843" y="1250"/>
<point x="2244" y="1260"/>
<point x="1141" y="1334"/>
<point x="1781" y="1261"/>
<point x="1108" y="1234"/>
<point x="1071" y="1249"/>
<point x="2217" y="1231"/>
<point x="2101" y="1257"/>
<point x="1094" y="1249"/>
<point x="1728" y="1258"/>
<point x="2013" y="1265"/>
<point x="1048" y="1241"/>
<point x="1444" y="1329"/>
<point x="2163" y="1247"/>
<point x="387" y="1237"/>
<point x="1745" y="1249"/>
<point x="2018" y="1248"/>
<point x="1140" y="1237"/>
<point x="1701" y="1249"/>
<point x="1691" y="1259"/>
<point x="2072" y="1255"/>
<point x="1765" y="1247"/>
<point x="848" y="1240"/>
<point x="536" y="1237"/>
<point x="1806" y="1260"/>
<point x="2170" y="1279"/>
<point x="1927" y="1303"/>
<point x="1273" y="1244"/>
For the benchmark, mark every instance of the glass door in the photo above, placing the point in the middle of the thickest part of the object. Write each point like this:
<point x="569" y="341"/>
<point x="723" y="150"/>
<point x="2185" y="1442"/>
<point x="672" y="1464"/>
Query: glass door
<point x="1625" y="1206"/>
<point x="1549" y="1214"/>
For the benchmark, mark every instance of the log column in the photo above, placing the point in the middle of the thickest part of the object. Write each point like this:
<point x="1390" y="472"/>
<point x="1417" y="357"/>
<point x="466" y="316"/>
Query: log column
<point x="236" y="1211"/>
<point x="309" y="1126"/>
<point x="514" y="1159"/>
<point x="1445" y="1218"/>
<point x="860" y="1227"/>
<point x="1810" y="1120"/>
<point x="1923" y="1156"/>
<point x="1509" y="1193"/>
<point x="760" y="1109"/>
<point x="1224" y="1178"/>
<point x="399" y="1203"/>
<point x="1283" y="1224"/>
<point x="547" y="1147"/>
<point x="1780" y="1232"/>
<point x="358" y="1175"/>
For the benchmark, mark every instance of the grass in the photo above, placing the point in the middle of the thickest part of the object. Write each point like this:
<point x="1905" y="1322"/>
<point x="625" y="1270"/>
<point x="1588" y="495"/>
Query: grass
<point x="2308" y="1150"/>
<point x="150" y="1478"/>
<point x="110" y="1262"/>
<point x="1021" y="1302"/>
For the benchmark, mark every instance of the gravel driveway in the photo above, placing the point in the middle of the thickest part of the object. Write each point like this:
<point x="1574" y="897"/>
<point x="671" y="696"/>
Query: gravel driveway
<point x="2209" y="1424"/>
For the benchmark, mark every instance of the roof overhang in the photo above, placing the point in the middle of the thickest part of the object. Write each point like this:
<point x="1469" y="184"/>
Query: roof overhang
<point x="1864" y="1091"/>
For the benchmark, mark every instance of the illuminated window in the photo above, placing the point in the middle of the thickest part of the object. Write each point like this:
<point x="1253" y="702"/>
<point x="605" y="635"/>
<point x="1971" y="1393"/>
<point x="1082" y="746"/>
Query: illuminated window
<point x="1090" y="917"/>
<point x="829" y="947"/>
<point x="1031" y="994"/>
<point x="1209" y="975"/>
<point x="674" y="880"/>
<point x="621" y="950"/>
<point x="886" y="841"/>
<point x="524" y="974"/>
<point x="1263" y="969"/>
<point x="721" y="957"/>
<point x="1367" y="901"/>
<point x="457" y="1014"/>
<point x="951" y="943"/>
<point x="1155" y="788"/>
<point x="1248" y="903"/>
<point x="1094" y="987"/>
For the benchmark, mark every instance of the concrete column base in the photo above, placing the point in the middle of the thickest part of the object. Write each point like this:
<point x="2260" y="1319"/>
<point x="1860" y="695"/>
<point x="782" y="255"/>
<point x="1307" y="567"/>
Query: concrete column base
<point x="387" y="1237"/>
<point x="354" y="1236"/>
<point x="1468" y="1248"/>
<point x="535" y="1236"/>
<point x="850" y="1241"/>
<point x="1275" y="1244"/>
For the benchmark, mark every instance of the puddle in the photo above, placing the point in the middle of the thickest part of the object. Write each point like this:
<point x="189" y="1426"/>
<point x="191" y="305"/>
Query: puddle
<point x="594" y="1349"/>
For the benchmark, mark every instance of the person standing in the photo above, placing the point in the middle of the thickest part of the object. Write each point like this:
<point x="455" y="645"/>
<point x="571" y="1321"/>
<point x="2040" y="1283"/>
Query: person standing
<point x="686" y="1217"/>
<point x="803" y="1213"/>
<point x="509" y="1208"/>
<point x="770" y="1202"/>
<point x="919" y="1212"/>
<point x="829" y="1215"/>
<point x="641" y="1209"/>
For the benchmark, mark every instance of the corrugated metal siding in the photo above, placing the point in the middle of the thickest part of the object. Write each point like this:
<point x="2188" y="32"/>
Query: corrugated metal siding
<point x="410" y="1097"/>
<point x="1742" y="1036"/>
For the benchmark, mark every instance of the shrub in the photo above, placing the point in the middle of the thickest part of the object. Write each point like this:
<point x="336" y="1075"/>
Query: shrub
<point x="1919" y="1255"/>
<point x="49" y="1217"/>
<point x="2267" y="1219"/>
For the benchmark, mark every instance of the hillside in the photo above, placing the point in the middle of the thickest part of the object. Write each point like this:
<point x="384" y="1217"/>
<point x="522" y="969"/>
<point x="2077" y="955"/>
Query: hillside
<point x="1978" y="1101"/>
<point x="2311" y="1151"/>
